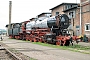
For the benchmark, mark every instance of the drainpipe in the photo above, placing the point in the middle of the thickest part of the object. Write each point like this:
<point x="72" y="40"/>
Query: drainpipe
<point x="80" y="18"/>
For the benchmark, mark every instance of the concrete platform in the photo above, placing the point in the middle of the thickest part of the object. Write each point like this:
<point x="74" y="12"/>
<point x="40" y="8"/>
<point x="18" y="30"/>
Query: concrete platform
<point x="44" y="53"/>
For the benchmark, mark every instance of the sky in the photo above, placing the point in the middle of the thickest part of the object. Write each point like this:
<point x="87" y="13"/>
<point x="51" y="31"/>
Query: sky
<point x="23" y="10"/>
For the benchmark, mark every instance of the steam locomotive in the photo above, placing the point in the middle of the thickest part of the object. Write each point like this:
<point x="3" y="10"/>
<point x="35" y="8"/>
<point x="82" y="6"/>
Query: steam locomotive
<point x="51" y="30"/>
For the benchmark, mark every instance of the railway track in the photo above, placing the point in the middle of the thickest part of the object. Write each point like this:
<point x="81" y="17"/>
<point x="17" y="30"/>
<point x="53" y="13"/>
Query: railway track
<point x="5" y="54"/>
<point x="8" y="53"/>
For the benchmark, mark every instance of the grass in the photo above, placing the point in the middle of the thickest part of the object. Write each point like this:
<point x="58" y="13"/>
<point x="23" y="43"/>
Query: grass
<point x="75" y="48"/>
<point x="79" y="47"/>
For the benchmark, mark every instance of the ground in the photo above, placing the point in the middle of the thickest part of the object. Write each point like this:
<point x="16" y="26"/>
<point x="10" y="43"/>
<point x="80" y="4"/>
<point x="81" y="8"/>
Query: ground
<point x="42" y="52"/>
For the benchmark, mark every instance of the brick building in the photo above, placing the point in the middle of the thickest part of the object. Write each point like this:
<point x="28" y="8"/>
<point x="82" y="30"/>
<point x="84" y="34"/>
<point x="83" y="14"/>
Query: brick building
<point x="85" y="17"/>
<point x="72" y="10"/>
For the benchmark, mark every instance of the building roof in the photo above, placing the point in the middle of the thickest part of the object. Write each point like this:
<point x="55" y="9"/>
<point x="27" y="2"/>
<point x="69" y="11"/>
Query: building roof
<point x="32" y="19"/>
<point x="11" y="24"/>
<point x="63" y="4"/>
<point x="70" y="9"/>
<point x="43" y="13"/>
<point x="25" y="21"/>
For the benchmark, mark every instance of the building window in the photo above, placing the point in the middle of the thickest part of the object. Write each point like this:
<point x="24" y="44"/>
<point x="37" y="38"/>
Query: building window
<point x="71" y="14"/>
<point x="87" y="27"/>
<point x="57" y="13"/>
<point x="66" y="7"/>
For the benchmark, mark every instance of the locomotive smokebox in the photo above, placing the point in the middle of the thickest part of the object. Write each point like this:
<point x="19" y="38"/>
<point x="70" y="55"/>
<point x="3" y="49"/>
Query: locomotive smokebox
<point x="61" y="21"/>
